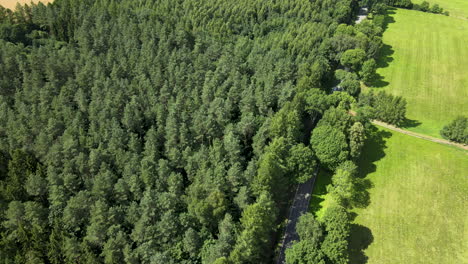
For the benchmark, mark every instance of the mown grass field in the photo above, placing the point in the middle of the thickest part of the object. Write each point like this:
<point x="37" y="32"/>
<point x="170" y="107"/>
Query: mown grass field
<point x="425" y="59"/>
<point x="12" y="3"/>
<point x="417" y="211"/>
<point x="457" y="8"/>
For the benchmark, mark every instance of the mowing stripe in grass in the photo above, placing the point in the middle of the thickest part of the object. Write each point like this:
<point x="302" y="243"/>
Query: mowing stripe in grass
<point x="429" y="67"/>
<point x="417" y="211"/>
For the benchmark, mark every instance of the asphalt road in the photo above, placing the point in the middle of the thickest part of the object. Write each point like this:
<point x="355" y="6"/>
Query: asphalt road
<point x="299" y="206"/>
<point x="362" y="14"/>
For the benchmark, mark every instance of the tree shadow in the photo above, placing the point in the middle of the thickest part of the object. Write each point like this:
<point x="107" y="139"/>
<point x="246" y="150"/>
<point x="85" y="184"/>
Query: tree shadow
<point x="385" y="53"/>
<point x="362" y="197"/>
<point x="378" y="81"/>
<point x="374" y="150"/>
<point x="385" y="56"/>
<point x="383" y="61"/>
<point x="359" y="239"/>
<point x="389" y="18"/>
<point x="408" y="123"/>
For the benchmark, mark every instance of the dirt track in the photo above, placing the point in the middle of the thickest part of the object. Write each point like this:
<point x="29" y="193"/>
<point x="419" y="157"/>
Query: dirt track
<point x="413" y="134"/>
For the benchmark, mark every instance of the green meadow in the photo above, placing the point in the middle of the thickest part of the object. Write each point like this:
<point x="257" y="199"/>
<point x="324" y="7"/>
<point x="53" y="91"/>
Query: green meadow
<point x="416" y="189"/>
<point x="415" y="211"/>
<point x="417" y="202"/>
<point x="425" y="60"/>
<point x="457" y="8"/>
<point x="413" y="205"/>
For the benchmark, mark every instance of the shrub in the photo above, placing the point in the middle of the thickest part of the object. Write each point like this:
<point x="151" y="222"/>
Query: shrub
<point x="379" y="8"/>
<point x="457" y="130"/>
<point x="403" y="3"/>
<point x="424" y="6"/>
<point x="436" y="9"/>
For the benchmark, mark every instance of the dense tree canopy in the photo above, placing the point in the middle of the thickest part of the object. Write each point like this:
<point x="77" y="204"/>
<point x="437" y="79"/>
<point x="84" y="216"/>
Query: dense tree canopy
<point x="353" y="58"/>
<point x="330" y="145"/>
<point x="164" y="131"/>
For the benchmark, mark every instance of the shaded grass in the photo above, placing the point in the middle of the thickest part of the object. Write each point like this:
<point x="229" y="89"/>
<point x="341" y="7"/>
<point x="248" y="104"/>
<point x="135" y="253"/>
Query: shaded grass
<point x="417" y="211"/>
<point x="320" y="198"/>
<point x="425" y="60"/>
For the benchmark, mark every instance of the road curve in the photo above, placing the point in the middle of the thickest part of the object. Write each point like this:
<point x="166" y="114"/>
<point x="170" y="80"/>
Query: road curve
<point x="417" y="135"/>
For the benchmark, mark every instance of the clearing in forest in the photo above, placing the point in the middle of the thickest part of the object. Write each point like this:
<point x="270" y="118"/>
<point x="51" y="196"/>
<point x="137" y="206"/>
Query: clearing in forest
<point x="425" y="60"/>
<point x="12" y="3"/>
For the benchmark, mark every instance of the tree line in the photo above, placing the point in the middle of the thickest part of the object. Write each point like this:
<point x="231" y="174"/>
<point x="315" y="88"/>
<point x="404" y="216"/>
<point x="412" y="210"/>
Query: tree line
<point x="338" y="139"/>
<point x="407" y="4"/>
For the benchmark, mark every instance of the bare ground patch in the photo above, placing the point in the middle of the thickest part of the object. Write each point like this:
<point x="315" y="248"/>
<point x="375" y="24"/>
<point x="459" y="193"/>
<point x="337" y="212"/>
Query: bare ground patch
<point x="11" y="4"/>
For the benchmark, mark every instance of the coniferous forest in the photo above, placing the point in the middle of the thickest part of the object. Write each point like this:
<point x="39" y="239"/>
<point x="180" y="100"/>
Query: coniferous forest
<point x="175" y="131"/>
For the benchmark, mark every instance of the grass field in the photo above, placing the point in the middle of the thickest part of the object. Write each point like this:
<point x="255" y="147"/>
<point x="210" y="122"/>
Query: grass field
<point x="416" y="190"/>
<point x="417" y="211"/>
<point x="416" y="206"/>
<point x="425" y="59"/>
<point x="457" y="8"/>
<point x="12" y="3"/>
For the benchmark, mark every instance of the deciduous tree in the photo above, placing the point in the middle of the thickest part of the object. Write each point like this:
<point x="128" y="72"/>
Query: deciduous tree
<point x="357" y="137"/>
<point x="367" y="72"/>
<point x="353" y="59"/>
<point x="330" y="146"/>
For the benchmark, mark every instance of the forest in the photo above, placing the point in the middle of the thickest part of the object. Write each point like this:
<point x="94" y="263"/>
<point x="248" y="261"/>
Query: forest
<point x="175" y="131"/>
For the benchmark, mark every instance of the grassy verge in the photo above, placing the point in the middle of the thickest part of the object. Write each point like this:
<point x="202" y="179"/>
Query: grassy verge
<point x="318" y="201"/>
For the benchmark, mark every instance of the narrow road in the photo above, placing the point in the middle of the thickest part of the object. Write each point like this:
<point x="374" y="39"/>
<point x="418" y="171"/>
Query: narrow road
<point x="362" y="14"/>
<point x="417" y="135"/>
<point x="303" y="194"/>
<point x="300" y="206"/>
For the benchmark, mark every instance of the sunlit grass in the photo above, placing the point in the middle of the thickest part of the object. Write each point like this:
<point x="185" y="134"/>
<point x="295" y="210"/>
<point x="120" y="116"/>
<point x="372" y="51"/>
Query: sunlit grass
<point x="417" y="211"/>
<point x="457" y="8"/>
<point x="425" y="60"/>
